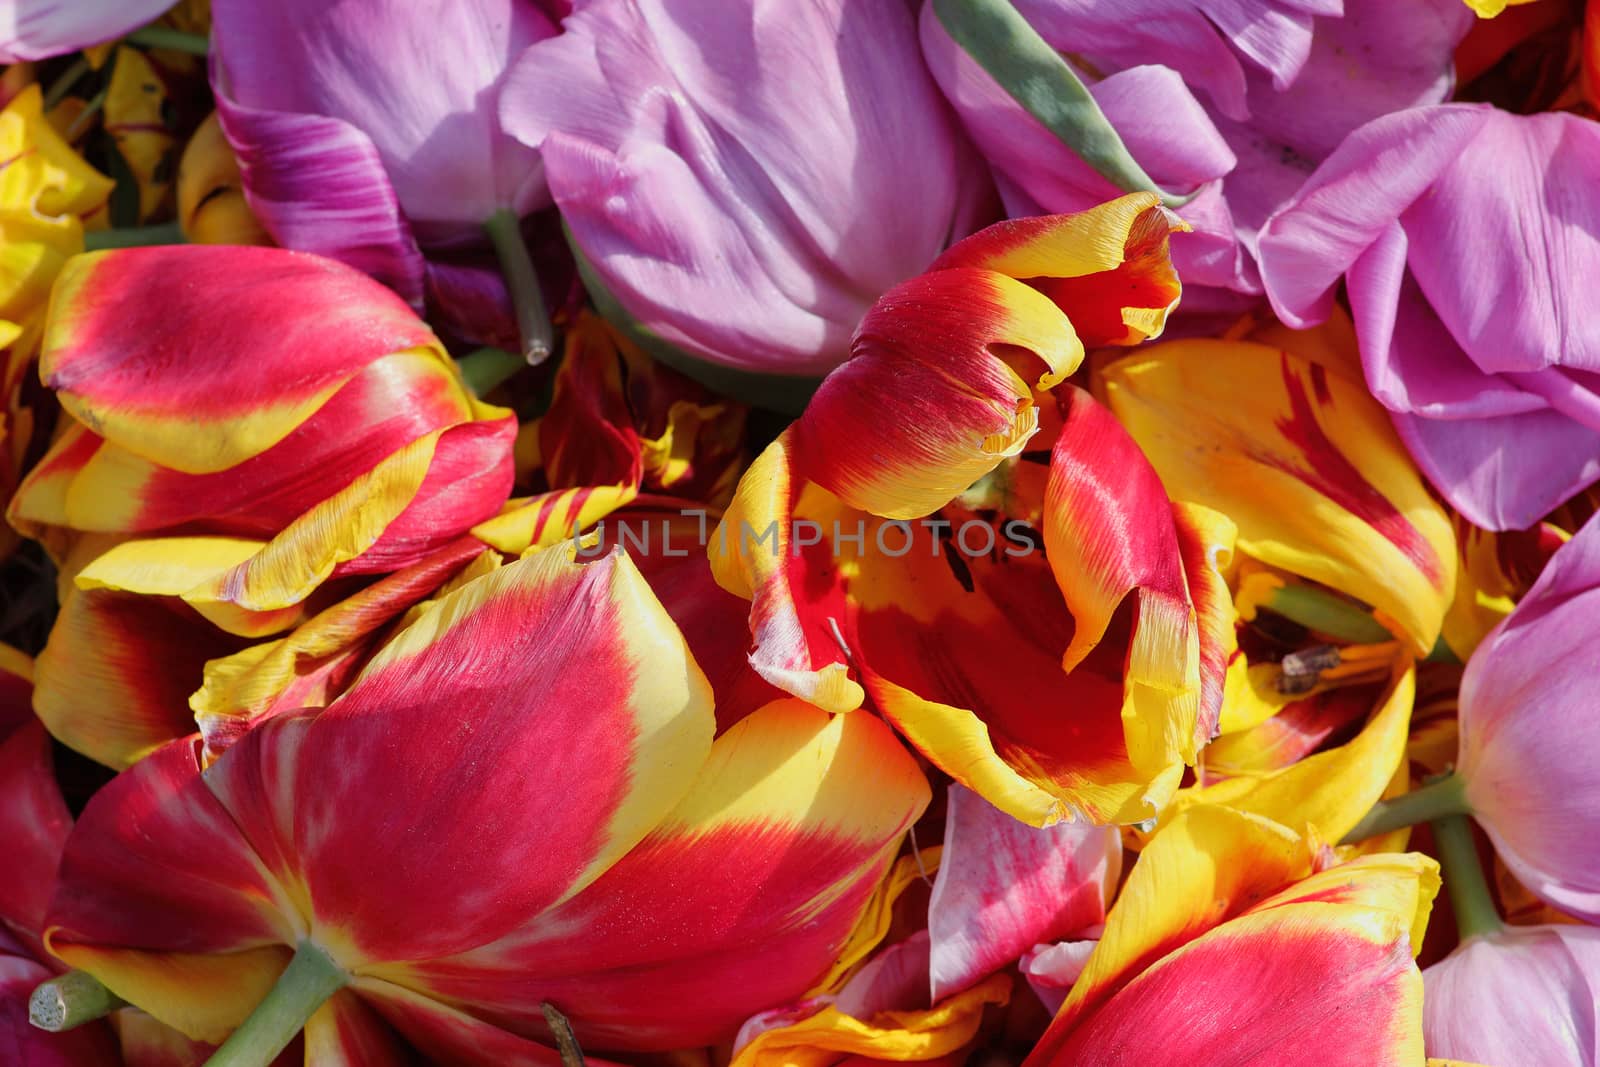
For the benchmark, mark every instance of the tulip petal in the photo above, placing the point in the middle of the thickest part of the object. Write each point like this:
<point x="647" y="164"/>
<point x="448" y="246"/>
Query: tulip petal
<point x="926" y="405"/>
<point x="1206" y="538"/>
<point x="1303" y="461"/>
<point x="33" y="818"/>
<point x="773" y="854"/>
<point x="1004" y="886"/>
<point x="1205" y="866"/>
<point x="40" y="29"/>
<point x="296" y="328"/>
<point x="616" y="684"/>
<point x="547" y="518"/>
<point x="1107" y="268"/>
<point x="795" y="590"/>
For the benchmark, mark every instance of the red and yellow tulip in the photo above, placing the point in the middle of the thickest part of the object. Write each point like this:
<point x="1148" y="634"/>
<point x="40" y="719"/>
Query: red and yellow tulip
<point x="653" y="885"/>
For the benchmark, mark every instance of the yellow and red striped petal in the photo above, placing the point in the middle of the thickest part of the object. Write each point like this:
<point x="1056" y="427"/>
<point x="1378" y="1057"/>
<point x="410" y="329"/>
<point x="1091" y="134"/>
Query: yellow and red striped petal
<point x="741" y="898"/>
<point x="1322" y="973"/>
<point x="1204" y="867"/>
<point x="547" y="518"/>
<point x="315" y="662"/>
<point x="1107" y="268"/>
<point x="938" y="389"/>
<point x="1305" y="462"/>
<point x="795" y="590"/>
<point x="587" y="437"/>
<point x="1206" y="539"/>
<point x="623" y="721"/>
<point x="1111" y="540"/>
<point x="132" y="346"/>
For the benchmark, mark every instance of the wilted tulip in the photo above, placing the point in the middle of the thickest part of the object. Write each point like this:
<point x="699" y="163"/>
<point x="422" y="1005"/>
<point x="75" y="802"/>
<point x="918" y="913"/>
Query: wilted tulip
<point x="393" y="866"/>
<point x="366" y="131"/>
<point x="1234" y="103"/>
<point x="1469" y="296"/>
<point x="746" y="180"/>
<point x="1521" y="994"/>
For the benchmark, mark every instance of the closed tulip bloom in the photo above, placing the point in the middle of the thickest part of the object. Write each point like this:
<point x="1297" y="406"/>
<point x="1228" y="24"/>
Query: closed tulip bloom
<point x="743" y="179"/>
<point x="366" y="131"/>
<point x="1234" y="103"/>
<point x="653" y="885"/>
<point x="1469" y="295"/>
<point x="1522" y="994"/>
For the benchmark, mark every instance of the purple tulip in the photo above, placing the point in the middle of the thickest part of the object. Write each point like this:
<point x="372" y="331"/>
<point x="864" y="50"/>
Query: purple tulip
<point x="367" y="132"/>
<point x="1523" y="994"/>
<point x="1236" y="101"/>
<point x="39" y="29"/>
<point x="1469" y="240"/>
<point x="1529" y="732"/>
<point x="747" y="178"/>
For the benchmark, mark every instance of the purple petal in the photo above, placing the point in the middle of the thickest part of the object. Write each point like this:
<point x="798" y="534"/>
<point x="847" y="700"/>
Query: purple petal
<point x="746" y="182"/>
<point x="1378" y="172"/>
<point x="1521" y="995"/>
<point x="39" y="29"/>
<point x="1004" y="886"/>
<point x="421" y="79"/>
<point x="318" y="185"/>
<point x="1528" y="732"/>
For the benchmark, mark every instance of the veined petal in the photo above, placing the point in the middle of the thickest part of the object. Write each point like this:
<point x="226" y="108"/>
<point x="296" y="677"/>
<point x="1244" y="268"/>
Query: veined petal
<point x="938" y="390"/>
<point x="795" y="591"/>
<point x="624" y="722"/>
<point x="1107" y="268"/>
<point x="1204" y="867"/>
<point x="739" y="899"/>
<point x="1004" y="886"/>
<point x="1304" y="461"/>
<point x="295" y="328"/>
<point x="1110" y="537"/>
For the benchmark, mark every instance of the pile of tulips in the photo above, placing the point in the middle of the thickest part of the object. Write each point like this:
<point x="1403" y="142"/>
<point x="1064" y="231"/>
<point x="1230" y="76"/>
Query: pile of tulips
<point x="690" y="533"/>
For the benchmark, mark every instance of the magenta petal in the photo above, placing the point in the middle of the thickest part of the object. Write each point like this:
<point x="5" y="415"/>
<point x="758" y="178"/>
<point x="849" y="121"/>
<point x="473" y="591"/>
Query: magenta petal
<point x="1528" y="732"/>
<point x="896" y="979"/>
<point x="420" y="79"/>
<point x="39" y="29"/>
<point x="318" y="185"/>
<point x="1525" y="994"/>
<point x="1004" y="886"/>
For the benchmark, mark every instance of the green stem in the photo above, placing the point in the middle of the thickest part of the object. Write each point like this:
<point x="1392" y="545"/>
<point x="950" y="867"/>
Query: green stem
<point x="310" y="979"/>
<point x="63" y="85"/>
<point x="1436" y="800"/>
<point x="1327" y="613"/>
<point x="169" y="38"/>
<point x="1469" y="892"/>
<point x="486" y="368"/>
<point x="522" y="282"/>
<point x="1035" y="75"/>
<point x="167" y="233"/>
<point x="71" y="1000"/>
<point x="90" y="110"/>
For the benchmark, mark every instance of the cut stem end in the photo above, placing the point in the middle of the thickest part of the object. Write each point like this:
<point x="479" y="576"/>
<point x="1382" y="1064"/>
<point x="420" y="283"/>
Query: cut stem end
<point x="71" y="1000"/>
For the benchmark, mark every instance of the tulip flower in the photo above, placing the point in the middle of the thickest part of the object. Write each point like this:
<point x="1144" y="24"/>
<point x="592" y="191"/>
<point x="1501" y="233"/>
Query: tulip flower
<point x="1525" y="731"/>
<point x="366" y="132"/>
<point x="34" y="823"/>
<point x="654" y="887"/>
<point x="212" y="208"/>
<point x="208" y="382"/>
<point x="1521" y="994"/>
<point x="1234" y="105"/>
<point x="1477" y="342"/>
<point x="1109" y="635"/>
<point x="39" y="29"/>
<point x="743" y="181"/>
<point x="1226" y="946"/>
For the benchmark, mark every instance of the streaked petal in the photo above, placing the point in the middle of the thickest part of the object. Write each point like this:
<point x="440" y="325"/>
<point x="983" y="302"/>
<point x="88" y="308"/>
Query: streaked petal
<point x="1004" y="886"/>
